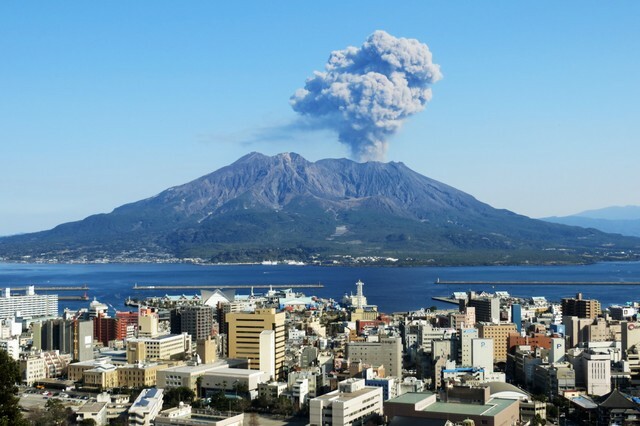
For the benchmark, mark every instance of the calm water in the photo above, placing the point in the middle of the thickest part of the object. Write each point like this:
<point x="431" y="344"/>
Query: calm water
<point x="392" y="289"/>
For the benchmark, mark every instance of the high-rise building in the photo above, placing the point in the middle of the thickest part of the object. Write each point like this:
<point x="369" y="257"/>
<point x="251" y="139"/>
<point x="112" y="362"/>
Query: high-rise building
<point x="579" y="307"/>
<point x="500" y="335"/>
<point x="466" y="337"/>
<point x="516" y="316"/>
<point x="30" y="305"/>
<point x="148" y="323"/>
<point x="244" y="339"/>
<point x="197" y="321"/>
<point x="487" y="309"/>
<point x="74" y="337"/>
<point x="105" y="329"/>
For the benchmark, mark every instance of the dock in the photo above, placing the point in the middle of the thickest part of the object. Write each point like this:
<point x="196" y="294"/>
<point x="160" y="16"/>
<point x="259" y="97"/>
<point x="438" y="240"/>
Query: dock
<point x="222" y="286"/>
<point x="499" y="283"/>
<point x="53" y="288"/>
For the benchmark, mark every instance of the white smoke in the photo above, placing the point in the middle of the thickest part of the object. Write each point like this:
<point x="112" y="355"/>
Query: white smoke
<point x="366" y="93"/>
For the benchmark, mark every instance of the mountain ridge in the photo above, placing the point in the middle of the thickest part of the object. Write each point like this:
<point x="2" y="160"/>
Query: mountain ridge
<point x="623" y="220"/>
<point x="284" y="205"/>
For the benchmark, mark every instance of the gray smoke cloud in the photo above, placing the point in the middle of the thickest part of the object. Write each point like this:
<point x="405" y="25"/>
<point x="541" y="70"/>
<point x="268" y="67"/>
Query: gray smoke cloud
<point x="365" y="93"/>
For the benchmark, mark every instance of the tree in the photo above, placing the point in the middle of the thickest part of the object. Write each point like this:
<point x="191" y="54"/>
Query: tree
<point x="538" y="421"/>
<point x="87" y="422"/>
<point x="173" y="397"/>
<point x="10" y="413"/>
<point x="55" y="414"/>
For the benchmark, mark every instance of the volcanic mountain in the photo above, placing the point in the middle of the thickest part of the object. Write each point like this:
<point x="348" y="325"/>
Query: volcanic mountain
<point x="333" y="210"/>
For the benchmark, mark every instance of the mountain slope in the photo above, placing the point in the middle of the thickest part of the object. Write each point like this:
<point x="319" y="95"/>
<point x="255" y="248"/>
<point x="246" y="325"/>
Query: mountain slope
<point x="285" y="206"/>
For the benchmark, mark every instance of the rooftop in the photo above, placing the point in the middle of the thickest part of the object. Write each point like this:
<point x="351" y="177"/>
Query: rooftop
<point x="200" y="368"/>
<point x="92" y="407"/>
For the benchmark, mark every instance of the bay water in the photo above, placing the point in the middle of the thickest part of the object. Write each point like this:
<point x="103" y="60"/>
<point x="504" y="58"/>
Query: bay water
<point x="392" y="289"/>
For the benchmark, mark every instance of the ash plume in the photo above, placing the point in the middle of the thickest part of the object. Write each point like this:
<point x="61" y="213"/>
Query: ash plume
<point x="365" y="93"/>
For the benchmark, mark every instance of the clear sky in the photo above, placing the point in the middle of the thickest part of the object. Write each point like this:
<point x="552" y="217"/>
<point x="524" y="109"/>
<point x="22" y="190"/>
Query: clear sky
<point x="105" y="103"/>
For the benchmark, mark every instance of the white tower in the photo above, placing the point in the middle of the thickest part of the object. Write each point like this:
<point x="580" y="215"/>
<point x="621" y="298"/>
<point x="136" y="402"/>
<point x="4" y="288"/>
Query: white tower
<point x="360" y="296"/>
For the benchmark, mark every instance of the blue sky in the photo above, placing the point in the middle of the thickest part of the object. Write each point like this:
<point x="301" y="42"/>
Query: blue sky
<point x="108" y="103"/>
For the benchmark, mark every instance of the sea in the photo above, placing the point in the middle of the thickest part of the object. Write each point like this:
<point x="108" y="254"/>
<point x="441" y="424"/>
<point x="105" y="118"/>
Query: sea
<point x="393" y="289"/>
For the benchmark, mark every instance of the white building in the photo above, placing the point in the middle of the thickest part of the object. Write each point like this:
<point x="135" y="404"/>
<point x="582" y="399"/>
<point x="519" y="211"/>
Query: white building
<point x="228" y="379"/>
<point x="597" y="373"/>
<point x="10" y="327"/>
<point x="466" y="336"/>
<point x="352" y="403"/>
<point x="186" y="375"/>
<point x="96" y="411"/>
<point x="11" y="346"/>
<point x="146" y="407"/>
<point x="482" y="354"/>
<point x="30" y="305"/>
<point x="170" y="346"/>
<point x="300" y="391"/>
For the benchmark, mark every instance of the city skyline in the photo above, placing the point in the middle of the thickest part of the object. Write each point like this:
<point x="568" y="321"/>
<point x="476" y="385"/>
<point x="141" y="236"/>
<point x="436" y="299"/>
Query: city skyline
<point x="109" y="104"/>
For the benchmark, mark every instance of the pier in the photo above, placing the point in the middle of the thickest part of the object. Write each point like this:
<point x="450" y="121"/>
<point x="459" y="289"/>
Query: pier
<point x="84" y="297"/>
<point x="222" y="286"/>
<point x="499" y="283"/>
<point x="52" y="288"/>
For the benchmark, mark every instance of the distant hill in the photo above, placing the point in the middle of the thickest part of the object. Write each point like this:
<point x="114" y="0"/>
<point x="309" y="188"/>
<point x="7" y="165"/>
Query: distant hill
<point x="618" y="220"/>
<point x="285" y="207"/>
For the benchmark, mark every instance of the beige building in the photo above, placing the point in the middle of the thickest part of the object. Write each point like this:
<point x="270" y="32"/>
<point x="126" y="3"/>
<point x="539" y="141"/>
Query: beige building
<point x="500" y="335"/>
<point x="101" y="377"/>
<point x="139" y="375"/>
<point x="101" y="374"/>
<point x="32" y="368"/>
<point x="75" y="371"/>
<point x="387" y="352"/>
<point x="186" y="375"/>
<point x="171" y="346"/>
<point x="244" y="330"/>
<point x="352" y="403"/>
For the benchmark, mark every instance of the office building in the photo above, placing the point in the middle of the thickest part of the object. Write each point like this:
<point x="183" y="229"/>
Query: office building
<point x="500" y="335"/>
<point x="386" y="352"/>
<point x="168" y="347"/>
<point x="352" y="403"/>
<point x="516" y="316"/>
<point x="244" y="338"/>
<point x="487" y="308"/>
<point x="74" y="337"/>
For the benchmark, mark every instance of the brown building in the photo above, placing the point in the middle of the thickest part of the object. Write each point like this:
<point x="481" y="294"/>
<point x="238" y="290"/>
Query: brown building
<point x="535" y="341"/>
<point x="500" y="334"/>
<point x="104" y="329"/>
<point x="579" y="307"/>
